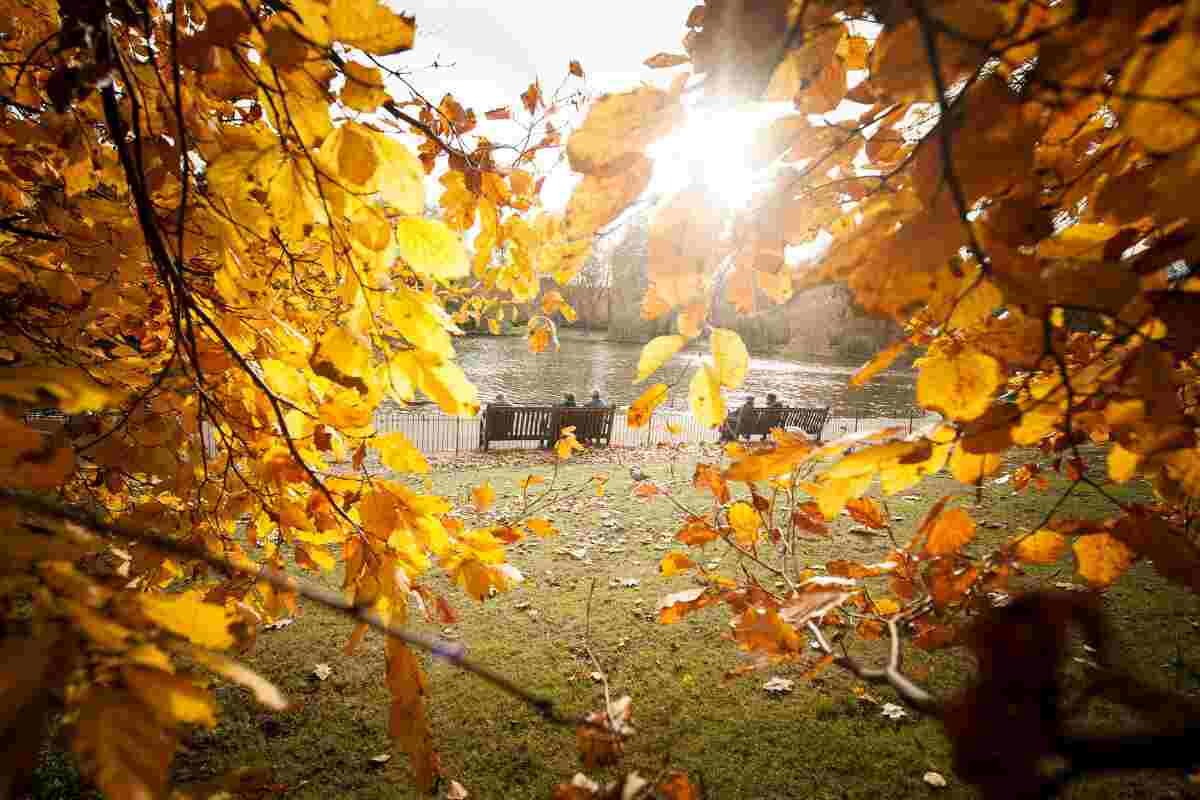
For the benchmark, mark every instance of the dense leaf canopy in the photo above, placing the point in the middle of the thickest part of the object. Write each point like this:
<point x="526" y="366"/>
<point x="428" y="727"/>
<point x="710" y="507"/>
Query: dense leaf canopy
<point x="217" y="257"/>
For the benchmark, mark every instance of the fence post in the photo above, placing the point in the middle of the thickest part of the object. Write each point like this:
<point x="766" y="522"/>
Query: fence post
<point x="649" y="428"/>
<point x="457" y="424"/>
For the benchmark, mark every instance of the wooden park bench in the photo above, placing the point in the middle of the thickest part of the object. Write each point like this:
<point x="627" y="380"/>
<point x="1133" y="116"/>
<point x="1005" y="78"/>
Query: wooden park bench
<point x="514" y="424"/>
<point x="810" y="420"/>
<point x="593" y="424"/>
<point x="502" y="423"/>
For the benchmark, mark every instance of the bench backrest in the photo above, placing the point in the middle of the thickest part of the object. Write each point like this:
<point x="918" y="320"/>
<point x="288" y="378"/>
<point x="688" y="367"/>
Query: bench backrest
<point x="809" y="420"/>
<point x="593" y="422"/>
<point x="516" y="423"/>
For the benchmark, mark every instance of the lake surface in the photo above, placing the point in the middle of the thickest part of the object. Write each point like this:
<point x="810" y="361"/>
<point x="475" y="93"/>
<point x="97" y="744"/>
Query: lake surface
<point x="504" y="365"/>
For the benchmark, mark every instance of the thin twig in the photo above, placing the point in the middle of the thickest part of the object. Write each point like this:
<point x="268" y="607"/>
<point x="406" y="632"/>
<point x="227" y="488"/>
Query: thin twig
<point x="890" y="675"/>
<point x="587" y="645"/>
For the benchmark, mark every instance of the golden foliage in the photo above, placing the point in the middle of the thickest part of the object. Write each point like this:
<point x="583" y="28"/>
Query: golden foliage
<point x="228" y="255"/>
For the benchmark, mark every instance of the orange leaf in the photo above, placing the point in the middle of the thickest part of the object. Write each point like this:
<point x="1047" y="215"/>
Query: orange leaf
<point x="696" y="532"/>
<point x="949" y="531"/>
<point x="576" y="69"/>
<point x="541" y="527"/>
<point x="407" y="723"/>
<point x="674" y="607"/>
<point x="1042" y="547"/>
<point x="532" y="97"/>
<point x="641" y="410"/>
<point x="1102" y="558"/>
<point x="665" y="60"/>
<point x="852" y="569"/>
<point x="762" y="629"/>
<point x="483" y="496"/>
<point x="866" y="511"/>
<point x="948" y="585"/>
<point x="878" y="363"/>
<point x="709" y="477"/>
<point x="673" y="563"/>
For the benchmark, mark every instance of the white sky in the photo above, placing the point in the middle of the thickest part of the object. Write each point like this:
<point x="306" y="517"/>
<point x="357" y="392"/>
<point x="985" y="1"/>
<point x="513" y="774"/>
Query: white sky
<point x="494" y="50"/>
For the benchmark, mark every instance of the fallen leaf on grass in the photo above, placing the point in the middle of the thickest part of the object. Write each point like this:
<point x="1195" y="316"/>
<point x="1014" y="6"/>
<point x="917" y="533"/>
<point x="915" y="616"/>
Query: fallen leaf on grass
<point x="382" y="758"/>
<point x="456" y="791"/>
<point x="779" y="685"/>
<point x="893" y="711"/>
<point x="322" y="671"/>
<point x="278" y="624"/>
<point x="935" y="779"/>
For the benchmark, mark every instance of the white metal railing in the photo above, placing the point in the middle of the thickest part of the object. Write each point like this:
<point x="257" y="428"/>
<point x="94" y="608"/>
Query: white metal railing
<point x="433" y="432"/>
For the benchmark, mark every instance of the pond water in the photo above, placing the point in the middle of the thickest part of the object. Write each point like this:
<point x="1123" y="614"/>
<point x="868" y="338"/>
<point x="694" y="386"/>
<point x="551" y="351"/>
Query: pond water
<point x="504" y="365"/>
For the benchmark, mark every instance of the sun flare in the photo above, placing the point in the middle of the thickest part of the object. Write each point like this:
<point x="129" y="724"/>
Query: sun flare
<point x="714" y="147"/>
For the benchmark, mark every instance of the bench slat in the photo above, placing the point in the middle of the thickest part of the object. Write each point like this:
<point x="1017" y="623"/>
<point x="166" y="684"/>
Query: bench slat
<point x="810" y="420"/>
<point x="544" y="423"/>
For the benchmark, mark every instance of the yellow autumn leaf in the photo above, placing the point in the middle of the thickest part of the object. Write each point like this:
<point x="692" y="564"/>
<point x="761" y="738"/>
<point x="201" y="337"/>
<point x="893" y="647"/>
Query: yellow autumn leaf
<point x="541" y="526"/>
<point x="958" y="381"/>
<point x="832" y="494"/>
<point x="656" y="353"/>
<point x="704" y="396"/>
<point x="1042" y="547"/>
<point x="1122" y="463"/>
<point x="1101" y="558"/>
<point x="371" y="26"/>
<point x="442" y="380"/>
<point x="674" y="428"/>
<point x="173" y="699"/>
<point x="364" y="89"/>
<point x="745" y="522"/>
<point x="730" y="357"/>
<point x="401" y="183"/>
<point x="642" y="408"/>
<point x="494" y="327"/>
<point x="187" y="615"/>
<point x="73" y="391"/>
<point x="973" y="467"/>
<point x="674" y="563"/>
<point x="420" y="319"/>
<point x="431" y="248"/>
<point x="1162" y="70"/>
<point x="482" y="496"/>
<point x="398" y="453"/>
<point x="342" y="357"/>
<point x="531" y="480"/>
<point x="618" y="125"/>
<point x="567" y="444"/>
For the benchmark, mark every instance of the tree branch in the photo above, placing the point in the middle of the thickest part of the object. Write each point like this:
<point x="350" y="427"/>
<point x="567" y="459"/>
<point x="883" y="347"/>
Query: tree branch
<point x="450" y="651"/>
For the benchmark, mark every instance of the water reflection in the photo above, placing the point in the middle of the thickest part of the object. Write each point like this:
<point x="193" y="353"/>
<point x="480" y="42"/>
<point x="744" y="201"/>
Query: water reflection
<point x="504" y="365"/>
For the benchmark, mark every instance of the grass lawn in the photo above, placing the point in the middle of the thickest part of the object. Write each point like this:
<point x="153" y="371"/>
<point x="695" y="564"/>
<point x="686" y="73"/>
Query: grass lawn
<point x="820" y="741"/>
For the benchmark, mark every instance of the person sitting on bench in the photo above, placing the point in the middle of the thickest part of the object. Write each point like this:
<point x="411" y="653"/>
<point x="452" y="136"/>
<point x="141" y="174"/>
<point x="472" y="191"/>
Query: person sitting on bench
<point x="733" y="423"/>
<point x="595" y="402"/>
<point x="773" y="401"/>
<point x="568" y="400"/>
